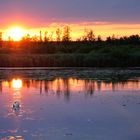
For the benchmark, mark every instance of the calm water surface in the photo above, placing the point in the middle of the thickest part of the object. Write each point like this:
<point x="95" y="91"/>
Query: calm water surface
<point x="70" y="109"/>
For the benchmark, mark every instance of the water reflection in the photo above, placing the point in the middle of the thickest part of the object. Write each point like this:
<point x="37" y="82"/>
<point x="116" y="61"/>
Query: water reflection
<point x="61" y="86"/>
<point x="43" y="106"/>
<point x="0" y="86"/>
<point x="17" y="84"/>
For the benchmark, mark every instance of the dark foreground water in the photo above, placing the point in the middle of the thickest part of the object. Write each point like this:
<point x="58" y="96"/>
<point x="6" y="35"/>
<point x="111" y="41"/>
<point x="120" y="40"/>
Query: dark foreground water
<point x="68" y="107"/>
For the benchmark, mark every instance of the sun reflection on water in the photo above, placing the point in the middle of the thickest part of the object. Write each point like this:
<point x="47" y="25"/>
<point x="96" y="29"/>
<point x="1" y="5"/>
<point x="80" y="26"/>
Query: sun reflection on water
<point x="17" y="84"/>
<point x="18" y="87"/>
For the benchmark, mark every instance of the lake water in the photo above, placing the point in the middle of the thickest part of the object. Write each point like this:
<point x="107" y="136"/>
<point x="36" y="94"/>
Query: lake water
<point x="68" y="107"/>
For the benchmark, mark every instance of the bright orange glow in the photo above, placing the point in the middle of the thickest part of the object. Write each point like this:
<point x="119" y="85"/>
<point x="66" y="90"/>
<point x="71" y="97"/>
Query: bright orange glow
<point x="17" y="83"/>
<point x="104" y="29"/>
<point x="64" y="86"/>
<point x="15" y="33"/>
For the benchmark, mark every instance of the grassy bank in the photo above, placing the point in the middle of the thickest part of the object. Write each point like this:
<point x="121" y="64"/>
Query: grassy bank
<point x="115" y="56"/>
<point x="89" y="51"/>
<point x="41" y="60"/>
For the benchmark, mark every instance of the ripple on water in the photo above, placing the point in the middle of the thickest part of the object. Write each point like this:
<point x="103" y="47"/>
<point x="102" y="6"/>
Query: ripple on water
<point x="12" y="138"/>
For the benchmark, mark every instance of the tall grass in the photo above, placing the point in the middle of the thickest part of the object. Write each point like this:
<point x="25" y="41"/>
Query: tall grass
<point x="87" y="56"/>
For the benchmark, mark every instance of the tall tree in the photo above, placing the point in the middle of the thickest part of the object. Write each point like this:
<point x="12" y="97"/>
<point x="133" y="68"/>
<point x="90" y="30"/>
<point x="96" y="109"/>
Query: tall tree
<point x="46" y="39"/>
<point x="26" y="38"/>
<point x="58" y="35"/>
<point x="89" y="35"/>
<point x="40" y="36"/>
<point x="66" y="34"/>
<point x="0" y="36"/>
<point x="99" y="38"/>
<point x="35" y="38"/>
<point x="51" y="37"/>
<point x="0" y="39"/>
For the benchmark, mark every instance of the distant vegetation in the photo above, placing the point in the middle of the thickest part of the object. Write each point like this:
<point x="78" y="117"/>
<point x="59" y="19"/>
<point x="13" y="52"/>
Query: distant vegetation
<point x="87" y="51"/>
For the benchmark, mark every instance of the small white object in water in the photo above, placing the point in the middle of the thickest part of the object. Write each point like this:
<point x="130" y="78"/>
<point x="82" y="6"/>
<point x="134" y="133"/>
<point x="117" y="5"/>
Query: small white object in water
<point x="16" y="105"/>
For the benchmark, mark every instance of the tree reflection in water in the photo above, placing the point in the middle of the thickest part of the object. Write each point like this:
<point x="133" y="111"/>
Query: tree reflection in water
<point x="65" y="87"/>
<point x="0" y="86"/>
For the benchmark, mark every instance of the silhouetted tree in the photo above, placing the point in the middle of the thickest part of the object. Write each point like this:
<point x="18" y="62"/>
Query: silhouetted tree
<point x="108" y="39"/>
<point x="26" y="38"/>
<point x="58" y="35"/>
<point x="99" y="39"/>
<point x="88" y="35"/>
<point x="0" y="36"/>
<point x="40" y="36"/>
<point x="84" y="37"/>
<point x="51" y="36"/>
<point x="35" y="38"/>
<point x="66" y="34"/>
<point x="134" y="39"/>
<point x="46" y="39"/>
<point x="0" y="39"/>
<point x="113" y="37"/>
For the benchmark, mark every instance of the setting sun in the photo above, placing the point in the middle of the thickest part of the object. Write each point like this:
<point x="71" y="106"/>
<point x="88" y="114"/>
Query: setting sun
<point x="16" y="33"/>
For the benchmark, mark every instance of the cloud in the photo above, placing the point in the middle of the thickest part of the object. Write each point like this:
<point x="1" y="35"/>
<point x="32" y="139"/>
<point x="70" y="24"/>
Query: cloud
<point x="40" y="12"/>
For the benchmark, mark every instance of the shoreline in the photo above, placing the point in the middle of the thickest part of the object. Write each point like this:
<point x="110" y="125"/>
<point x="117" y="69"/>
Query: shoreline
<point x="100" y="74"/>
<point x="69" y="68"/>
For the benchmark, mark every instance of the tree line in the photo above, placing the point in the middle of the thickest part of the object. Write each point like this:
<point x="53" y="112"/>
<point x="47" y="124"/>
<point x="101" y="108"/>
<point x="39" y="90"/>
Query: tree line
<point x="64" y="35"/>
<point x="87" y="51"/>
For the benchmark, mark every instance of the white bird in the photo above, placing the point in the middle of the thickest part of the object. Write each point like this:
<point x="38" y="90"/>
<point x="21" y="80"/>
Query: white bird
<point x="16" y="105"/>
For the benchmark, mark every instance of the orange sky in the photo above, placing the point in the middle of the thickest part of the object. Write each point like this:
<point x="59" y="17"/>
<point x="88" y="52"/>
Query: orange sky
<point x="77" y="29"/>
<point x="119" y="17"/>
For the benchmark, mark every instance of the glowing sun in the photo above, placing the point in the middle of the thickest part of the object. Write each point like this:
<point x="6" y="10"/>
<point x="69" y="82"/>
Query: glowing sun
<point x="16" y="33"/>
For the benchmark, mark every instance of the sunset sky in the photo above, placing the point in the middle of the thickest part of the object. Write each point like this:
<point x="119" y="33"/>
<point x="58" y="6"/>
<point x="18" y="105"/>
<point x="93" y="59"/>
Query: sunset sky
<point x="119" y="17"/>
